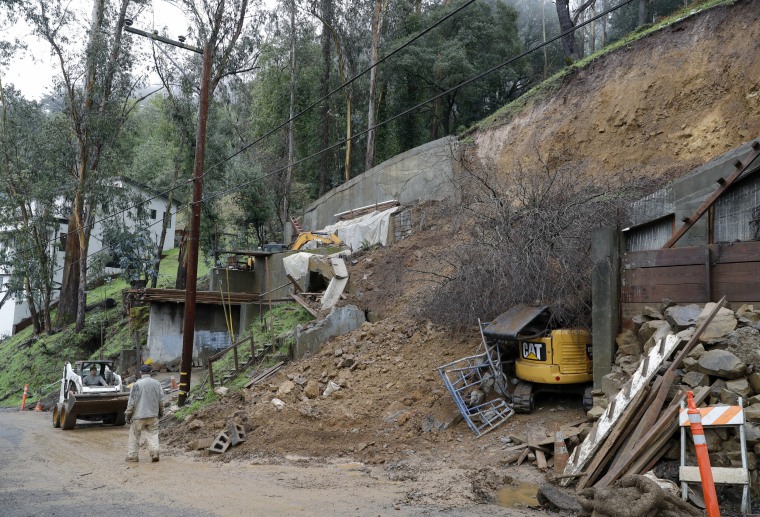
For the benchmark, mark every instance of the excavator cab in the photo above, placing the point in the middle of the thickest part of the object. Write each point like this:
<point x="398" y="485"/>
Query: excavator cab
<point x="540" y="357"/>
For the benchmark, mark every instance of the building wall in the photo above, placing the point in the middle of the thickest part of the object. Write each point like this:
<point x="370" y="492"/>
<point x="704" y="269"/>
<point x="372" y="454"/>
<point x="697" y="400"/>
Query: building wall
<point x="424" y="173"/>
<point x="13" y="313"/>
<point x="165" y="331"/>
<point x="732" y="212"/>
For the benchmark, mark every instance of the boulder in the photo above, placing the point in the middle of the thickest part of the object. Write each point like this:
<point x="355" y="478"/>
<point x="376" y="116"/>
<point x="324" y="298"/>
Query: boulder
<point x="628" y="363"/>
<point x="694" y="379"/>
<point x="666" y="304"/>
<point x="628" y="343"/>
<point x="278" y="404"/>
<point x="312" y="389"/>
<point x="285" y="388"/>
<point x="721" y="325"/>
<point x="612" y="382"/>
<point x="697" y="351"/>
<point x="652" y="313"/>
<point x="721" y="363"/>
<point x="690" y="364"/>
<point x="744" y="343"/>
<point x="648" y="329"/>
<point x="728" y="397"/>
<point x="752" y="413"/>
<point x="444" y="414"/>
<point x="330" y="389"/>
<point x="752" y="434"/>
<point x="660" y="334"/>
<point x="754" y="382"/>
<point x="595" y="413"/>
<point x="682" y="317"/>
<point x="740" y="387"/>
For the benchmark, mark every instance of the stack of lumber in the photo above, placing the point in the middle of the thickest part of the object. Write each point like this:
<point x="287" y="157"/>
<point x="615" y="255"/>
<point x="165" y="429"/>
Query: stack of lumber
<point x="634" y="431"/>
<point x="541" y="451"/>
<point x="178" y="296"/>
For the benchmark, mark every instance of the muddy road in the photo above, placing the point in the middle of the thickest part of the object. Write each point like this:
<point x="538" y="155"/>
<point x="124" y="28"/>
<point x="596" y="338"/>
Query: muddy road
<point x="47" y="471"/>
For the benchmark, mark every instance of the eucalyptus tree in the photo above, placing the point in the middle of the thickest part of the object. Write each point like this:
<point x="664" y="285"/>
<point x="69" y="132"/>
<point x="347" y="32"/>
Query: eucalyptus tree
<point x="97" y="86"/>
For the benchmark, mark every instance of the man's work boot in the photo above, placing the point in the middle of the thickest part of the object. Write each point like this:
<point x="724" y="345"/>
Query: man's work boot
<point x="132" y="459"/>
<point x="154" y="458"/>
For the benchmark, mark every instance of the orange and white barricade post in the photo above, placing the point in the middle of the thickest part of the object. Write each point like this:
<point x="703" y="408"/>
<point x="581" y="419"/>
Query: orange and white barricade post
<point x="703" y="458"/>
<point x="23" y="399"/>
<point x="713" y="416"/>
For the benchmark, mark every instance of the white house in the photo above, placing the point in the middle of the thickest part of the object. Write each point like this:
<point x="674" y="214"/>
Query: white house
<point x="15" y="312"/>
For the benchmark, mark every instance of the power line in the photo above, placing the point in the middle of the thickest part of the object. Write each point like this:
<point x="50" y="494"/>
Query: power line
<point x="283" y="124"/>
<point x="428" y="101"/>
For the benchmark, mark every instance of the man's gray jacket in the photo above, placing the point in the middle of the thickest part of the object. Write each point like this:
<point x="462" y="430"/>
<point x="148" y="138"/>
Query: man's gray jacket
<point x="145" y="399"/>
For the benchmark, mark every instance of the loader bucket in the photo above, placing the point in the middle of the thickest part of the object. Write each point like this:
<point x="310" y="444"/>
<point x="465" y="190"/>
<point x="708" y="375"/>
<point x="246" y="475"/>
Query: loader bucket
<point x="93" y="407"/>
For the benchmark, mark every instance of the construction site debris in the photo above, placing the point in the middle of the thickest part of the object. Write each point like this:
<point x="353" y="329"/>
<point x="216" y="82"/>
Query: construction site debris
<point x="633" y="496"/>
<point x="556" y="498"/>
<point x="330" y="389"/>
<point x="236" y="433"/>
<point x="264" y="375"/>
<point x="220" y="444"/>
<point x="364" y="231"/>
<point x="341" y="320"/>
<point x="278" y="404"/>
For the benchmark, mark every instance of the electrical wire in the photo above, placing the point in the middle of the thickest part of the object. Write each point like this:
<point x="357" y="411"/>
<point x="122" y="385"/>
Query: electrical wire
<point x="283" y="124"/>
<point x="426" y="102"/>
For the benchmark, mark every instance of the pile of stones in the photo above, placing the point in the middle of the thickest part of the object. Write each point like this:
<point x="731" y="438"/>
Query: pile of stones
<point x="727" y="359"/>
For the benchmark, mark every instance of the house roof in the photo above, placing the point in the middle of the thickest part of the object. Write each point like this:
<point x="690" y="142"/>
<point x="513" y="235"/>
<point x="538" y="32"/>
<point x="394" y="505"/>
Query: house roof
<point x="136" y="184"/>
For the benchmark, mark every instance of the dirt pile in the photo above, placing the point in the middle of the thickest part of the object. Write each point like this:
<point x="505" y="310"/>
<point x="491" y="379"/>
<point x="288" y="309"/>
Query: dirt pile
<point x="658" y="107"/>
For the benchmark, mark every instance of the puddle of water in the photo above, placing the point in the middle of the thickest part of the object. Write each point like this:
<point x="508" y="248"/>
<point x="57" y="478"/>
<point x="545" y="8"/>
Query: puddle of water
<point x="524" y="494"/>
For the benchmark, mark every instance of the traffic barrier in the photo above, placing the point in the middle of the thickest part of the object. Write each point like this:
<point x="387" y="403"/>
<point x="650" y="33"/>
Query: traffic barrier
<point x="23" y="399"/>
<point x="703" y="458"/>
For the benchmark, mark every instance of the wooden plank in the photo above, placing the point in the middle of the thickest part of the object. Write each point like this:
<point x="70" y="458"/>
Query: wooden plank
<point x="660" y="258"/>
<point x="721" y="475"/>
<point x="540" y="459"/>
<point x="303" y="304"/>
<point x="613" y="441"/>
<point x="523" y="456"/>
<point x="694" y="274"/>
<point x="654" y="445"/>
<point x="655" y="293"/>
<point x="267" y="373"/>
<point x="584" y="453"/>
<point x="740" y="167"/>
<point x="293" y="281"/>
<point x="737" y="252"/>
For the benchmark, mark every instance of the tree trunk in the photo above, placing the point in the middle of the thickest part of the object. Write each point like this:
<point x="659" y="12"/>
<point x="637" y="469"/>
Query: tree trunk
<point x="348" y="137"/>
<point x="168" y="213"/>
<point x="324" y="159"/>
<point x="592" y="48"/>
<point x="370" y="158"/>
<point x="643" y="12"/>
<point x="565" y="24"/>
<point x="182" y="263"/>
<point x="33" y="314"/>
<point x="67" y="305"/>
<point x="287" y="228"/>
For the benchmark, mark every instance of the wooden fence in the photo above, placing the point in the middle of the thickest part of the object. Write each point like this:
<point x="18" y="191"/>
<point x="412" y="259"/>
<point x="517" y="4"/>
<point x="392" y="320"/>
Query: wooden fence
<point x="697" y="274"/>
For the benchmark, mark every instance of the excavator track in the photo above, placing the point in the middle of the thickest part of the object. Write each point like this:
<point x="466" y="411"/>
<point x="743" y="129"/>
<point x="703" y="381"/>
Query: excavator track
<point x="523" y="397"/>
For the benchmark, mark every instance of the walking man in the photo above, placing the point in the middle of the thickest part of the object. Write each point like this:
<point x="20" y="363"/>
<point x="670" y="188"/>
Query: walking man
<point x="143" y="411"/>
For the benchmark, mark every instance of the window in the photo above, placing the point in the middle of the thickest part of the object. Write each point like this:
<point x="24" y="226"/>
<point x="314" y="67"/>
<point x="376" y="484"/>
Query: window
<point x="153" y="214"/>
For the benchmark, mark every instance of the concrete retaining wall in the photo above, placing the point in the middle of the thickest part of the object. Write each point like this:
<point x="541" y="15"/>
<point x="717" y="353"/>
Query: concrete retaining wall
<point x="424" y="173"/>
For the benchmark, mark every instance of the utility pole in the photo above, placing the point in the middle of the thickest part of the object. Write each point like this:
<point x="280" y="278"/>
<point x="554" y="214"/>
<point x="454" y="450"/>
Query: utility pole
<point x="188" y="336"/>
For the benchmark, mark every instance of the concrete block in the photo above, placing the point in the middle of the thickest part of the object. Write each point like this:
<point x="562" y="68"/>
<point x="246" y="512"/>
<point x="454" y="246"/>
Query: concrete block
<point x="236" y="432"/>
<point x="221" y="443"/>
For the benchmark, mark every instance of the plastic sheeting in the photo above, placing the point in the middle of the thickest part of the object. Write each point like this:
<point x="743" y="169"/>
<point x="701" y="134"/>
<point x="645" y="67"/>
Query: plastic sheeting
<point x="368" y="229"/>
<point x="297" y="265"/>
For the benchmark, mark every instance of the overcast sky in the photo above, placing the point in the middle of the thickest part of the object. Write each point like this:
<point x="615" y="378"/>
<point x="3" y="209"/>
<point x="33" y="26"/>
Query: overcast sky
<point x="33" y="72"/>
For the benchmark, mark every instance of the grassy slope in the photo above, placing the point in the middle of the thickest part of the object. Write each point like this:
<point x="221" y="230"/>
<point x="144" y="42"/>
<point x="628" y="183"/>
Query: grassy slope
<point x="38" y="360"/>
<point x="551" y="85"/>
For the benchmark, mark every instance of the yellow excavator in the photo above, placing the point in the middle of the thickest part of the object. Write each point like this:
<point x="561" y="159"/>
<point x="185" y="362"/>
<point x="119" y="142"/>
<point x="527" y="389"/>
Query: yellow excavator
<point x="323" y="238"/>
<point x="539" y="357"/>
<point x="305" y="236"/>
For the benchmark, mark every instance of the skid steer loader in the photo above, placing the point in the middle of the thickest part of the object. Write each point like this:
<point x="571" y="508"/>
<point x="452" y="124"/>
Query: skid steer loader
<point x="101" y="403"/>
<point x="536" y="357"/>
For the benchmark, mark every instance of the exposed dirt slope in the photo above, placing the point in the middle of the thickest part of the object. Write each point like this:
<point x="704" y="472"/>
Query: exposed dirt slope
<point x="661" y="106"/>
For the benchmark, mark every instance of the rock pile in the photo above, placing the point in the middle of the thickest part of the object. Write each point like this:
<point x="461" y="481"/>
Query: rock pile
<point x="726" y="360"/>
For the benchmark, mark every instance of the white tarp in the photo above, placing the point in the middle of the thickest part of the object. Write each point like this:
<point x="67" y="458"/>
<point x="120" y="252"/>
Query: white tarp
<point x="297" y="265"/>
<point x="368" y="229"/>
